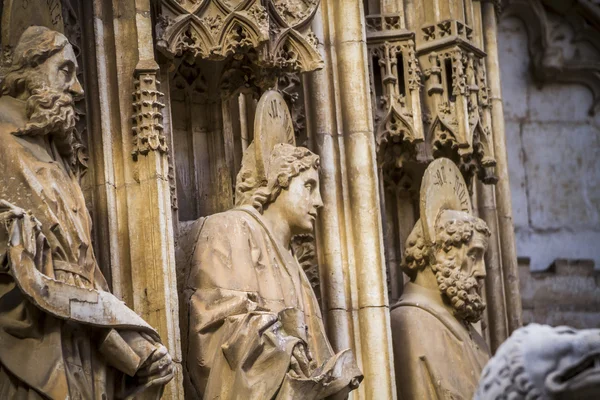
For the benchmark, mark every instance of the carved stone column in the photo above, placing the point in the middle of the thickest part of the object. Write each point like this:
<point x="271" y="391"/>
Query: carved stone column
<point x="130" y="151"/>
<point x="349" y="232"/>
<point x="510" y="268"/>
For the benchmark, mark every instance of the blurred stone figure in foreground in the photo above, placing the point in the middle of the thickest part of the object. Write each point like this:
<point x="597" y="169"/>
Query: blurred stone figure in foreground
<point x="62" y="334"/>
<point x="255" y="330"/>
<point x="539" y="362"/>
<point x="438" y="354"/>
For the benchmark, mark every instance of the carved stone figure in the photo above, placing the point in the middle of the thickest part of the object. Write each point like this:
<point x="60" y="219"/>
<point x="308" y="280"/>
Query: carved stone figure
<point x="438" y="353"/>
<point x="541" y="362"/>
<point x="255" y="330"/>
<point x="62" y="334"/>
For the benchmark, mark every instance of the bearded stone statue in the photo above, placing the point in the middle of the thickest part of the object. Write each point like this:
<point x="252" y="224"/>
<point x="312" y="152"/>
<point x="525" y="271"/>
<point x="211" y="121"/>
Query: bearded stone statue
<point x="438" y="354"/>
<point x="255" y="330"/>
<point x="540" y="362"/>
<point x="62" y="334"/>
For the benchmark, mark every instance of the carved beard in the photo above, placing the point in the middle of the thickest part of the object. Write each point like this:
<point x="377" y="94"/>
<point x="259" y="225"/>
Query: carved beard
<point x="461" y="290"/>
<point x="51" y="112"/>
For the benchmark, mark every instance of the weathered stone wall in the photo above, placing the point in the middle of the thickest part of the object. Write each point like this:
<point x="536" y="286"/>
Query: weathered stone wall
<point x="553" y="149"/>
<point x="554" y="164"/>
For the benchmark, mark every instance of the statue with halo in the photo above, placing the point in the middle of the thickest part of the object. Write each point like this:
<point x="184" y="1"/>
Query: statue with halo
<point x="254" y="328"/>
<point x="438" y="353"/>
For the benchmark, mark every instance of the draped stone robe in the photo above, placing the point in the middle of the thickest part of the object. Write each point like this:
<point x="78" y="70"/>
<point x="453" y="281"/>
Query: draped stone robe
<point x="42" y="356"/>
<point x="436" y="356"/>
<point x="250" y="303"/>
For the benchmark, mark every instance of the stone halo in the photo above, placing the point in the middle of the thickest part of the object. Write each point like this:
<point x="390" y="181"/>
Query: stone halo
<point x="272" y="125"/>
<point x="442" y="188"/>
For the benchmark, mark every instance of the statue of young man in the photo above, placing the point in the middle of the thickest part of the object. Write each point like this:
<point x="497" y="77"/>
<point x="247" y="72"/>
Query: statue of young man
<point x="62" y="334"/>
<point x="255" y="330"/>
<point x="438" y="354"/>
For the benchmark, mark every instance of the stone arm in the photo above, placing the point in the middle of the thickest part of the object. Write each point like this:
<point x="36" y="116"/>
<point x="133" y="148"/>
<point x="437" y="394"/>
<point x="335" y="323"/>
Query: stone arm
<point x="27" y="271"/>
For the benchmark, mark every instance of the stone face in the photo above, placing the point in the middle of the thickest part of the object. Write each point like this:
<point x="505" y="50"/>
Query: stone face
<point x="253" y="315"/>
<point x="53" y="295"/>
<point x="437" y="351"/>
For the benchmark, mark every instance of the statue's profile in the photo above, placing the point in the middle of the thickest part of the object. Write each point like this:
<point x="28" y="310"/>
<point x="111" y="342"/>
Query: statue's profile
<point x="255" y="330"/>
<point x="540" y="362"/>
<point x="62" y="334"/>
<point x="438" y="354"/>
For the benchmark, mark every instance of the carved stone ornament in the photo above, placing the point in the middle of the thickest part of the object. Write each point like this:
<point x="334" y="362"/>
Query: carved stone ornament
<point x="253" y="315"/>
<point x="540" y="362"/>
<point x="147" y="112"/>
<point x="437" y="351"/>
<point x="276" y="30"/>
<point x="574" y="24"/>
<point x="52" y="293"/>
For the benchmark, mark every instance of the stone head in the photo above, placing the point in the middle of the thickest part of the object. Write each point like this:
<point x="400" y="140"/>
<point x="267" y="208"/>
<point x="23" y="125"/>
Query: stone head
<point x="291" y="185"/>
<point x="43" y="74"/>
<point x="543" y="362"/>
<point x="455" y="259"/>
<point x="42" y="58"/>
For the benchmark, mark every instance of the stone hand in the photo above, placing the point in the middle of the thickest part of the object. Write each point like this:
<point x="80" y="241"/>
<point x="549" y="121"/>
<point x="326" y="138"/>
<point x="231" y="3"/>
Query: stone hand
<point x="301" y="363"/>
<point x="158" y="369"/>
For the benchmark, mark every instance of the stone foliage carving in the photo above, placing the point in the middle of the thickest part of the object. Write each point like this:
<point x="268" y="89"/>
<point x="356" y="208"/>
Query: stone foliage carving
<point x="577" y="22"/>
<point x="437" y="351"/>
<point x="542" y="362"/>
<point x="277" y="31"/>
<point x="253" y="315"/>
<point x="53" y="296"/>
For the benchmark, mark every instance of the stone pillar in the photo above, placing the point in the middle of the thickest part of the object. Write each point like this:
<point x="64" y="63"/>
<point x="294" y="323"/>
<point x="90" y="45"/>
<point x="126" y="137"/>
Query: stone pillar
<point x="503" y="199"/>
<point x="130" y="160"/>
<point x="350" y="239"/>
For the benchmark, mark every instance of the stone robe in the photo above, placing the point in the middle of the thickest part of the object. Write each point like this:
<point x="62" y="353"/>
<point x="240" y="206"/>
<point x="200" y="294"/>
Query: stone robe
<point x="250" y="303"/>
<point x="44" y="354"/>
<point x="435" y="355"/>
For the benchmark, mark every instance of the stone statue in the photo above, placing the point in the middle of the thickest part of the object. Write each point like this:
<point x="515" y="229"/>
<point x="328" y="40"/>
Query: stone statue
<point x="62" y="334"/>
<point x="438" y="353"/>
<point x="539" y="362"/>
<point x="255" y="330"/>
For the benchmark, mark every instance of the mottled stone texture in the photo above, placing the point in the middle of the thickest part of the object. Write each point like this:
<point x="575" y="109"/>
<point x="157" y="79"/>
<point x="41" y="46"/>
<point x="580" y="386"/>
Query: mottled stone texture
<point x="553" y="159"/>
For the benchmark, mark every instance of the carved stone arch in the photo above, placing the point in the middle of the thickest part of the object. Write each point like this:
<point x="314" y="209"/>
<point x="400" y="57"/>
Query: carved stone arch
<point x="297" y="17"/>
<point x="187" y="33"/>
<point x="394" y="125"/>
<point x="227" y="8"/>
<point x="548" y="63"/>
<point x="293" y="52"/>
<point x="483" y="153"/>
<point x="442" y="135"/>
<point x="240" y="32"/>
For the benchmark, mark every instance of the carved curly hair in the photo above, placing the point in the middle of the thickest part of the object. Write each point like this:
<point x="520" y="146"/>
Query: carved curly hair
<point x="505" y="377"/>
<point x="454" y="233"/>
<point x="285" y="162"/>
